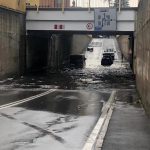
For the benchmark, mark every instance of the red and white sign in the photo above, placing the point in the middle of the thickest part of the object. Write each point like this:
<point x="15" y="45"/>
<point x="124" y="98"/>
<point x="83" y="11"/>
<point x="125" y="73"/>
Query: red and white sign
<point x="59" y="26"/>
<point x="89" y="26"/>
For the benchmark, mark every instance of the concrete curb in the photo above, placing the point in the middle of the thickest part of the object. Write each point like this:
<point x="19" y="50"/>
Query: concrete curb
<point x="92" y="140"/>
<point x="100" y="140"/>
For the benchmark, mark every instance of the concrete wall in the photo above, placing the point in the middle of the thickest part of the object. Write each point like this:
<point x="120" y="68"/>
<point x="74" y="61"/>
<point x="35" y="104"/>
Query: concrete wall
<point x="79" y="44"/>
<point x="123" y="41"/>
<point x="59" y="51"/>
<point x="142" y="53"/>
<point x="12" y="35"/>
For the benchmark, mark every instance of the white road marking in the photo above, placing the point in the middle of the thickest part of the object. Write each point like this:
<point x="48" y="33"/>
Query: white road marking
<point x="91" y="142"/>
<point x="26" y="99"/>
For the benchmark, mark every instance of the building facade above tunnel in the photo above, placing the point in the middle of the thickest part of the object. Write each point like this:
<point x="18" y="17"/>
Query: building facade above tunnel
<point x="48" y="3"/>
<point x="16" y="5"/>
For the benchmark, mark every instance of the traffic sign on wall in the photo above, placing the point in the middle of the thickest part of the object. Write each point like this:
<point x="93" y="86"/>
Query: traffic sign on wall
<point x="105" y="19"/>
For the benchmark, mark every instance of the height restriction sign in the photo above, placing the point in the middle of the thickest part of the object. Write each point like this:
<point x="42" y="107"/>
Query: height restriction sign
<point x="105" y="19"/>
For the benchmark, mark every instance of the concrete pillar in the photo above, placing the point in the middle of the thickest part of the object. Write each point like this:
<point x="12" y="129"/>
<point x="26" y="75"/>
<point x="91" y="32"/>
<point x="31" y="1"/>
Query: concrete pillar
<point x="126" y="44"/>
<point x="59" y="51"/>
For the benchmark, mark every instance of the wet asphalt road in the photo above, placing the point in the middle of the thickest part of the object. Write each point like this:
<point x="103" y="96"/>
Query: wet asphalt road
<point x="63" y="118"/>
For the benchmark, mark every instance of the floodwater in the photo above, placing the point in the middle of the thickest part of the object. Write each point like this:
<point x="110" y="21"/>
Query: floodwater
<point x="63" y="118"/>
<point x="92" y="76"/>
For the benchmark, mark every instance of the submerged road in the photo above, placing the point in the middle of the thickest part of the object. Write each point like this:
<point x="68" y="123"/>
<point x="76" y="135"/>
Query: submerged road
<point x="57" y="111"/>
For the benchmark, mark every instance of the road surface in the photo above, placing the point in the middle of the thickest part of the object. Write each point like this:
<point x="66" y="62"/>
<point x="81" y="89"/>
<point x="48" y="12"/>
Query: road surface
<point x="57" y="111"/>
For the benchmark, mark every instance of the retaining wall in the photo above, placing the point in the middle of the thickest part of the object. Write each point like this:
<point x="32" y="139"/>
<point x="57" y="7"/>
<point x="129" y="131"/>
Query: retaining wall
<point x="142" y="53"/>
<point x="12" y="46"/>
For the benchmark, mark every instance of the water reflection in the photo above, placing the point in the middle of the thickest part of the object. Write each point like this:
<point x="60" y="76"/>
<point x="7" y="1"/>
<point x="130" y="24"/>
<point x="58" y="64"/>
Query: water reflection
<point x="69" y="102"/>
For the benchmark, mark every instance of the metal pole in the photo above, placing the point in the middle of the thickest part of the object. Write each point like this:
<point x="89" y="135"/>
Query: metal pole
<point x="119" y="5"/>
<point x="63" y="5"/>
<point x="109" y="2"/>
<point x="89" y="5"/>
<point x="37" y="5"/>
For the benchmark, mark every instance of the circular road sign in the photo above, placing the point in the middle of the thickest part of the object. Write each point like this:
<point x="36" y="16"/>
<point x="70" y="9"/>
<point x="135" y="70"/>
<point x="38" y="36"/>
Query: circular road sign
<point x="89" y="26"/>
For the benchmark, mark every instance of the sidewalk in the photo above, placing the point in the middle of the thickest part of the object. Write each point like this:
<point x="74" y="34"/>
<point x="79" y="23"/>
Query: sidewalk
<point x="129" y="127"/>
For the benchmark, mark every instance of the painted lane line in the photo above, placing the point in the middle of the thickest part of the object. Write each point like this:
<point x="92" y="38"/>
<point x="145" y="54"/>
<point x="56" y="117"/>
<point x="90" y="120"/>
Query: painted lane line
<point x="26" y="99"/>
<point x="32" y="97"/>
<point x="91" y="142"/>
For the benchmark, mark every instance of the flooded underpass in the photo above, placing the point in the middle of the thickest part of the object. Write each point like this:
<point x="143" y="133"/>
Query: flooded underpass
<point x="63" y="117"/>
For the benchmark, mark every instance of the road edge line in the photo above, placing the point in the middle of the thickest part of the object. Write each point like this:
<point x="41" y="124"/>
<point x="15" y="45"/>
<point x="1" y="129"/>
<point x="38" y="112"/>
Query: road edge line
<point x="91" y="141"/>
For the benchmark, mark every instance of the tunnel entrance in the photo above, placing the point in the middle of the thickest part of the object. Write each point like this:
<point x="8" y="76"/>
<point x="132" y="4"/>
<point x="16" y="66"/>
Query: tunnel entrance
<point x="50" y="50"/>
<point x="125" y="45"/>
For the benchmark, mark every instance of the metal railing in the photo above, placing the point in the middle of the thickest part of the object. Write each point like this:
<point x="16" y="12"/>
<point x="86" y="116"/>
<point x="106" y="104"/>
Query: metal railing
<point x="67" y="3"/>
<point x="74" y="3"/>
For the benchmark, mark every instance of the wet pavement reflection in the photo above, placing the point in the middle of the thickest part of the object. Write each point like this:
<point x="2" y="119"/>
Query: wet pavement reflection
<point x="70" y="102"/>
<point x="63" y="119"/>
<point x="93" y="76"/>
